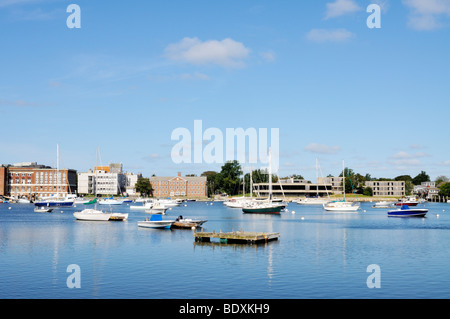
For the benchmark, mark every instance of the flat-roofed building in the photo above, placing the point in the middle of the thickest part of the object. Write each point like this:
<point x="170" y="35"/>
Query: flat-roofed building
<point x="3" y="180"/>
<point x="387" y="188"/>
<point x="179" y="186"/>
<point x="293" y="188"/>
<point x="104" y="180"/>
<point x="34" y="181"/>
<point x="336" y="183"/>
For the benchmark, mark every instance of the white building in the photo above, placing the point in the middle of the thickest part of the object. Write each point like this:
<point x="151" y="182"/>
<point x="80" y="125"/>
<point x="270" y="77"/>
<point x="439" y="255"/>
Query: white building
<point x="130" y="183"/>
<point x="104" y="180"/>
<point x="387" y="188"/>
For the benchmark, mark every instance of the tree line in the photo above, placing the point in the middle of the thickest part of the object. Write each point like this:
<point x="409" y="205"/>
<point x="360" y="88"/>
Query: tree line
<point x="230" y="179"/>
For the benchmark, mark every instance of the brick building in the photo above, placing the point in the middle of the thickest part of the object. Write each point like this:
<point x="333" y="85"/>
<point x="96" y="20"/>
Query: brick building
<point x="34" y="181"/>
<point x="179" y="186"/>
<point x="3" y="180"/>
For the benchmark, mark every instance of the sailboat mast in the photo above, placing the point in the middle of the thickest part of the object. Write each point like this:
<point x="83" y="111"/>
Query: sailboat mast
<point x="57" y="170"/>
<point x="243" y="182"/>
<point x="251" y="183"/>
<point x="270" y="173"/>
<point x="343" y="177"/>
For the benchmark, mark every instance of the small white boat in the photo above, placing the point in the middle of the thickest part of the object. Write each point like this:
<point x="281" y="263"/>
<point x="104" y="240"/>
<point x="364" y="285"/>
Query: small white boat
<point x="43" y="209"/>
<point x="312" y="201"/>
<point x="383" y="204"/>
<point x="156" y="221"/>
<point x="23" y="201"/>
<point x="81" y="200"/>
<point x="342" y="206"/>
<point x="145" y="205"/>
<point x="92" y="214"/>
<point x="157" y="209"/>
<point x="110" y="201"/>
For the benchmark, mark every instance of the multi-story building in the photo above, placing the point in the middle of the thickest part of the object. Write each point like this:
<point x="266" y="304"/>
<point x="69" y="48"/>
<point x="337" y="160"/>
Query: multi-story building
<point x="3" y="180"/>
<point x="387" y="188"/>
<point x="130" y="183"/>
<point x="34" y="181"/>
<point x="427" y="190"/>
<point x="104" y="180"/>
<point x="336" y="183"/>
<point x="186" y="186"/>
<point x="292" y="188"/>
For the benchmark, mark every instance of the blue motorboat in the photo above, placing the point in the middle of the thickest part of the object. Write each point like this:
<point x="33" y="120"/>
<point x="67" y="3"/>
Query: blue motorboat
<point x="406" y="211"/>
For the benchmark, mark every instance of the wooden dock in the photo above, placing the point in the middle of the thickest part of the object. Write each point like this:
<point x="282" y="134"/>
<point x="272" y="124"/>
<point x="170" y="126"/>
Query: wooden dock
<point x="236" y="237"/>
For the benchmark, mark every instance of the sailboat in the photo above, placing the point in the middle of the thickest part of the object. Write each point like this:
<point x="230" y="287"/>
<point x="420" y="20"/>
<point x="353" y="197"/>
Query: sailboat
<point x="268" y="206"/>
<point x="317" y="200"/>
<point x="342" y="206"/>
<point x="93" y="214"/>
<point x="55" y="200"/>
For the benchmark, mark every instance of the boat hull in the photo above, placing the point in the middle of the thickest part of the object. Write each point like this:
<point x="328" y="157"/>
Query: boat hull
<point x="276" y="210"/>
<point x="188" y="223"/>
<point x="408" y="213"/>
<point x="341" y="207"/>
<point x="92" y="215"/>
<point x="54" y="204"/>
<point x="162" y="224"/>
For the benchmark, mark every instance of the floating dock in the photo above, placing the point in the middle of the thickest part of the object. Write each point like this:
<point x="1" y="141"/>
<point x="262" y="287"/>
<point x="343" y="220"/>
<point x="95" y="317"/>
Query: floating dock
<point x="237" y="237"/>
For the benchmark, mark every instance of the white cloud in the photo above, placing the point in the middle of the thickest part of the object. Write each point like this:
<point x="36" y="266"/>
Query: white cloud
<point x="268" y="56"/>
<point x="427" y="14"/>
<point x="323" y="35"/>
<point x="194" y="76"/>
<point x="340" y="7"/>
<point x="322" y="149"/>
<point x="226" y="53"/>
<point x="405" y="155"/>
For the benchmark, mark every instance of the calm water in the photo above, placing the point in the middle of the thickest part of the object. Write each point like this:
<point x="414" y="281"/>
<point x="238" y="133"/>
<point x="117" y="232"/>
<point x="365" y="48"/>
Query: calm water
<point x="319" y="255"/>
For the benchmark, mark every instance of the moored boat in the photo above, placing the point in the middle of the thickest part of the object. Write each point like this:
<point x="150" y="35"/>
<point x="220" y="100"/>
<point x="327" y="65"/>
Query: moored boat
<point x="409" y="201"/>
<point x="156" y="221"/>
<point x="406" y="211"/>
<point x="341" y="206"/>
<point x="92" y="215"/>
<point x="262" y="208"/>
<point x="181" y="222"/>
<point x="383" y="204"/>
<point x="43" y="209"/>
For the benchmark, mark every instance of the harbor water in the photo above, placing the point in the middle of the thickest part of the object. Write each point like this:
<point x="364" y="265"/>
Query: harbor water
<point x="319" y="255"/>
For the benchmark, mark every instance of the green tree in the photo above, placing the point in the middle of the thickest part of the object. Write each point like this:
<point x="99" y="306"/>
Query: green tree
<point x="441" y="179"/>
<point x="420" y="178"/>
<point x="229" y="177"/>
<point x="445" y="190"/>
<point x="144" y="186"/>
<point x="211" y="183"/>
<point x="368" y="191"/>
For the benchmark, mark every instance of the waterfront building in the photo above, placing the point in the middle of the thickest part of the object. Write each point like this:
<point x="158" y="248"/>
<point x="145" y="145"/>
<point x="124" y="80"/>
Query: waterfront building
<point x="130" y="183"/>
<point x="427" y="190"/>
<point x="104" y="180"/>
<point x="336" y="183"/>
<point x="34" y="181"/>
<point x="3" y="180"/>
<point x="293" y="188"/>
<point x="387" y="188"/>
<point x="179" y="186"/>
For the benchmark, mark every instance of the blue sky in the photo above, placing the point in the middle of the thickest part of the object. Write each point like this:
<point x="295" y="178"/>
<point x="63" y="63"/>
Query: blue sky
<point x="134" y="72"/>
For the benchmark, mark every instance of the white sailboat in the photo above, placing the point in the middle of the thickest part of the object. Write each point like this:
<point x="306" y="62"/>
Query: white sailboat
<point x="314" y="200"/>
<point x="342" y="206"/>
<point x="93" y="214"/>
<point x="56" y="200"/>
